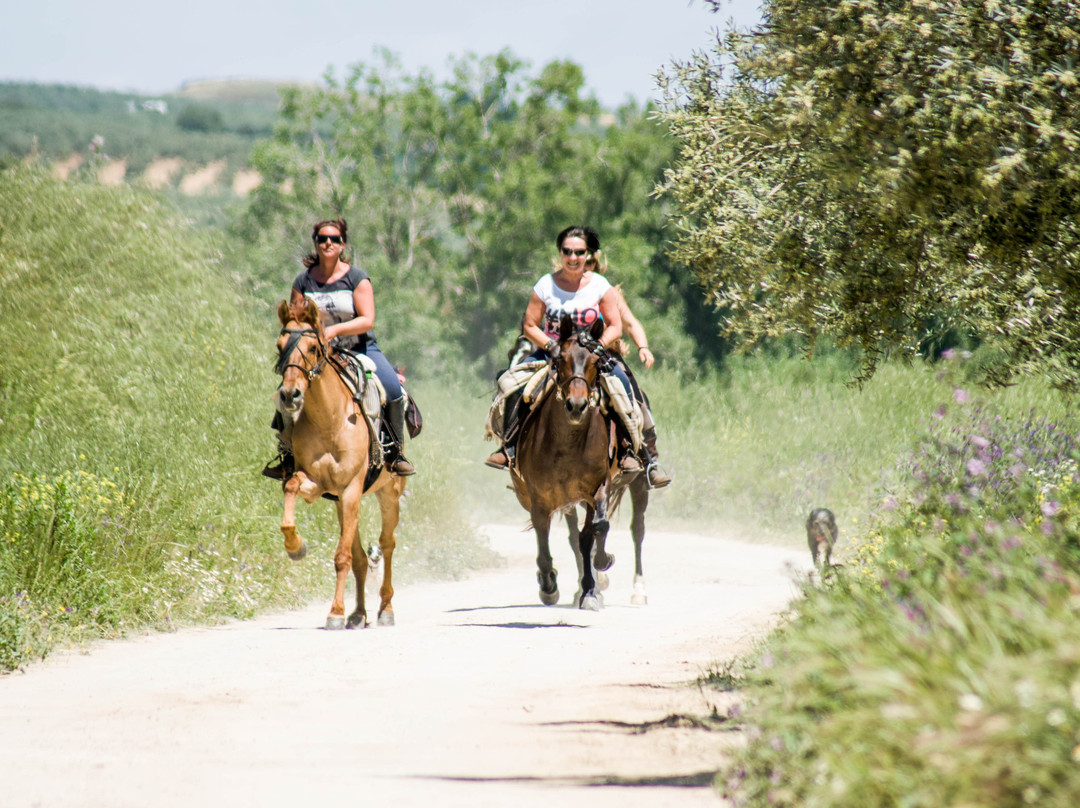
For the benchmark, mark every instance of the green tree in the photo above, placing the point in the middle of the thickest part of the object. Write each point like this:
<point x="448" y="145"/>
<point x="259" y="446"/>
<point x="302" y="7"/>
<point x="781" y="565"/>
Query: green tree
<point x="200" y="118"/>
<point x="864" y="168"/>
<point x="454" y="192"/>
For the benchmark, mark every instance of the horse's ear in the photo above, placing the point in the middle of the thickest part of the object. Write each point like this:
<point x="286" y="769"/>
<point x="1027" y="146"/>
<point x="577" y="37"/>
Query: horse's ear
<point x="566" y="327"/>
<point x="597" y="328"/>
<point x="283" y="312"/>
<point x="311" y="311"/>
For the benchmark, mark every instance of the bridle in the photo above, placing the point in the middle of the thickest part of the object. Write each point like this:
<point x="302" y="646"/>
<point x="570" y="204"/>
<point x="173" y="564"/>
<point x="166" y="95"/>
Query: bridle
<point x="295" y="335"/>
<point x="561" y="387"/>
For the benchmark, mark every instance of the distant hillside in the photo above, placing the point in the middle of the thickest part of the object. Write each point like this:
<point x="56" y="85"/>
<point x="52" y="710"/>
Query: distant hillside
<point x="196" y="140"/>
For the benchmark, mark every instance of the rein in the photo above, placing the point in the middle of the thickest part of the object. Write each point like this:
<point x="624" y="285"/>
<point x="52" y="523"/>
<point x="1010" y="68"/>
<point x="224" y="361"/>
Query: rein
<point x="594" y="389"/>
<point x="295" y="334"/>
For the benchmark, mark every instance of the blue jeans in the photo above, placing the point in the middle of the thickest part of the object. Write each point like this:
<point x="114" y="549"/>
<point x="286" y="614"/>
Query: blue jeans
<point x="384" y="370"/>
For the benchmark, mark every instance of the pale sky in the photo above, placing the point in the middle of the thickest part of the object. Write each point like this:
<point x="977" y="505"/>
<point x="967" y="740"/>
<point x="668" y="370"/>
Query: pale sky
<point x="154" y="48"/>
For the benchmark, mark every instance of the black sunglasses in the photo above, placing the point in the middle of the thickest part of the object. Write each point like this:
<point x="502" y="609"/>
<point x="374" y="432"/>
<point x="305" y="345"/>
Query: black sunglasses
<point x="567" y="251"/>
<point x="321" y="239"/>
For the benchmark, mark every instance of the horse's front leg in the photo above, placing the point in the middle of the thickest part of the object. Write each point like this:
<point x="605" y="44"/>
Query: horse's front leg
<point x="348" y="511"/>
<point x="546" y="574"/>
<point x="390" y="510"/>
<point x="294" y="544"/>
<point x="589" y="599"/>
<point x="602" y="559"/>
<point x="574" y="534"/>
<point x="639" y="497"/>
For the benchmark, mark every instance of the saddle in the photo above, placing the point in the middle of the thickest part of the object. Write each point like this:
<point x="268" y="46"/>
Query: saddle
<point x="358" y="373"/>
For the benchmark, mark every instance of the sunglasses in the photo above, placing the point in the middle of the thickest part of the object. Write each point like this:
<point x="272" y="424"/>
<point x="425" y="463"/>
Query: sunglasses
<point x="321" y="239"/>
<point x="568" y="252"/>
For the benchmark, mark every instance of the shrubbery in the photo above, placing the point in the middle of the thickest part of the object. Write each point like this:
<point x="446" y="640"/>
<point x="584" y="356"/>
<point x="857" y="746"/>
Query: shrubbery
<point x="941" y="666"/>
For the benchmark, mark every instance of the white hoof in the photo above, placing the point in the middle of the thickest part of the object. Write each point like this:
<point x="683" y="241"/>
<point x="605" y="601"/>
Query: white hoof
<point x="602" y="581"/>
<point x="590" y="603"/>
<point x="335" y="622"/>
<point x="639" y="598"/>
<point x="385" y="619"/>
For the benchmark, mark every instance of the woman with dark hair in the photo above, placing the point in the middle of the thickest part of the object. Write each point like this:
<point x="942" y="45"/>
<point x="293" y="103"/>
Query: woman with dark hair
<point x="572" y="289"/>
<point x="346" y="300"/>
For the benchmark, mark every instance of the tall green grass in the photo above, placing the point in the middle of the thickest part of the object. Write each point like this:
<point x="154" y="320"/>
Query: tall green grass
<point x="134" y="412"/>
<point x="755" y="446"/>
<point x="941" y="664"/>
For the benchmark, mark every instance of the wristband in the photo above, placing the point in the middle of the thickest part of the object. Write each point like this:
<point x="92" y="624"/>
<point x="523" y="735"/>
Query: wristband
<point x="549" y="346"/>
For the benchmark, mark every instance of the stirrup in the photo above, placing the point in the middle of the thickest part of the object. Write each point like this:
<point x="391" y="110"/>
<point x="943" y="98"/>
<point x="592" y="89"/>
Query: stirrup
<point x="402" y="467"/>
<point x="656" y="476"/>
<point x="501" y="459"/>
<point x="279" y="468"/>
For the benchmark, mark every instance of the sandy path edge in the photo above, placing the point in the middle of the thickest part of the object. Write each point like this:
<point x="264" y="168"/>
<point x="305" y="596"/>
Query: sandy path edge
<point x="479" y="696"/>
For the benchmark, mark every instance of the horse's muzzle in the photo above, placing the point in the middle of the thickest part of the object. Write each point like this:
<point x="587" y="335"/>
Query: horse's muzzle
<point x="290" y="399"/>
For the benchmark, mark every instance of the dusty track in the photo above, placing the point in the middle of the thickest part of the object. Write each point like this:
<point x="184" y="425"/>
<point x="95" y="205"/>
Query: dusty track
<point x="479" y="696"/>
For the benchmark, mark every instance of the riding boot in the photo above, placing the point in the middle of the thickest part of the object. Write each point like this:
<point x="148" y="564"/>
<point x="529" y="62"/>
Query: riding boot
<point x="501" y="459"/>
<point x="395" y="425"/>
<point x="282" y="466"/>
<point x="657" y="477"/>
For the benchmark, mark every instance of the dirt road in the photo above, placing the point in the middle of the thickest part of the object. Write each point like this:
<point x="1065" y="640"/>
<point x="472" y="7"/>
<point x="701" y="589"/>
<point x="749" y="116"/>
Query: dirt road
<point x="479" y="696"/>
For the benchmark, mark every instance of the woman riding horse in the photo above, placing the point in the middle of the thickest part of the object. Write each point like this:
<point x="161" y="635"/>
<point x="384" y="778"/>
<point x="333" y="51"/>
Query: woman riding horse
<point x="587" y="297"/>
<point x="346" y="302"/>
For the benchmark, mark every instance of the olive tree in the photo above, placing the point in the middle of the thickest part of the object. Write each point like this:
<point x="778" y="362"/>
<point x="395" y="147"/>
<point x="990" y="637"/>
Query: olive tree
<point x="860" y="169"/>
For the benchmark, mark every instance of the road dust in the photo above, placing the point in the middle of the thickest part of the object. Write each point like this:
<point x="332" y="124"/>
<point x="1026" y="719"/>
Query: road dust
<point x="479" y="696"/>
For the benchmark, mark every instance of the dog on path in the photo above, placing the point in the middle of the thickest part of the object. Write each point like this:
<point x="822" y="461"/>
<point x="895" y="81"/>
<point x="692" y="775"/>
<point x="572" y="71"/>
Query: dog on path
<point x="821" y="533"/>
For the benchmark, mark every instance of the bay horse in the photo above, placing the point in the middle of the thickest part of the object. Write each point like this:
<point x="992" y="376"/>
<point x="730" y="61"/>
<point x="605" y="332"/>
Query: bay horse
<point x="638" y="485"/>
<point x="331" y="443"/>
<point x="564" y="460"/>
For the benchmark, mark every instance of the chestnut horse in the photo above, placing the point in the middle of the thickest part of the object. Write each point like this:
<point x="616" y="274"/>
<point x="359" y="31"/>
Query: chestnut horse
<point x="331" y="442"/>
<point x="563" y="460"/>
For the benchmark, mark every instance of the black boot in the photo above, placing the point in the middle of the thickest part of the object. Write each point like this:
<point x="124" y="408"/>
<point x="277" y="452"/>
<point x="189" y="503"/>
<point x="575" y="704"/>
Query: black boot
<point x="657" y="477"/>
<point x="395" y="425"/>
<point x="501" y="459"/>
<point x="282" y="466"/>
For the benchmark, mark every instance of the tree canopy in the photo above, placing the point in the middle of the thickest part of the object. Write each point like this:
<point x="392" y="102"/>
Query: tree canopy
<point x="454" y="192"/>
<point x="863" y="169"/>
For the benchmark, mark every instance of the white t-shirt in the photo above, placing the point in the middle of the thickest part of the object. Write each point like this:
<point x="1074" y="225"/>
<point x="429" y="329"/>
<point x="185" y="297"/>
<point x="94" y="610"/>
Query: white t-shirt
<point x="583" y="306"/>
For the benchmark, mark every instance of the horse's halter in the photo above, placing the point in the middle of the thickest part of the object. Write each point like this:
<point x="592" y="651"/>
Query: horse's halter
<point x="560" y="387"/>
<point x="295" y="335"/>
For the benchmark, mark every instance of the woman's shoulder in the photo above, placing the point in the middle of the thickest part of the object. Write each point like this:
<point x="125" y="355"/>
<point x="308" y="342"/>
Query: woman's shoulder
<point x="598" y="283"/>
<point x="354" y="276"/>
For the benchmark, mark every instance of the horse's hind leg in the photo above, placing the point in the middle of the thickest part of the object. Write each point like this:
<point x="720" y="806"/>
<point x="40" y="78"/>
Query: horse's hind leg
<point x="546" y="574"/>
<point x="589" y="599"/>
<point x="358" y="619"/>
<point x="639" y="498"/>
<point x="294" y="544"/>
<point x="389" y="498"/>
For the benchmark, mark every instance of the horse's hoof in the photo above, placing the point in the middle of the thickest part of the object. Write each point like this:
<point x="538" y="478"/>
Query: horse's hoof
<point x="357" y="620"/>
<point x="549" y="598"/>
<point x="639" y="599"/>
<point x="602" y="581"/>
<point x="385" y="618"/>
<point x="589" y="603"/>
<point x="299" y="554"/>
<point x="600" y="565"/>
<point x="335" y="622"/>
